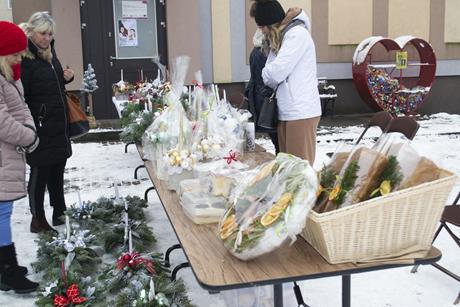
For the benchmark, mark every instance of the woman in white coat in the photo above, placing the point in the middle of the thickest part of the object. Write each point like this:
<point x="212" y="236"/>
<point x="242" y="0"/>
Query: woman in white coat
<point x="291" y="70"/>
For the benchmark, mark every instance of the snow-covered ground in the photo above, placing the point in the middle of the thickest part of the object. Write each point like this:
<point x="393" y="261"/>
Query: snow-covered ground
<point x="94" y="168"/>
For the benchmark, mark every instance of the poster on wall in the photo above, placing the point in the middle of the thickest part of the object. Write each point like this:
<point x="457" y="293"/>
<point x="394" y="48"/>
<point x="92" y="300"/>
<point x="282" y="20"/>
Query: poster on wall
<point x="127" y="33"/>
<point x="134" y="9"/>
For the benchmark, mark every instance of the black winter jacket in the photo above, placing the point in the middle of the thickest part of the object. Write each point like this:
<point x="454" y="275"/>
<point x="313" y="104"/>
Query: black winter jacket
<point x="256" y="91"/>
<point x="44" y="92"/>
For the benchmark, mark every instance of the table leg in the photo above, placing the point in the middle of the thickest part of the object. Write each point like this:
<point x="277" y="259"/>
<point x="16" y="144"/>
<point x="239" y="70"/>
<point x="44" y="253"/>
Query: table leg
<point x="146" y="197"/>
<point x="168" y="252"/>
<point x="126" y="146"/>
<point x="177" y="268"/>
<point x="138" y="168"/>
<point x="346" y="287"/>
<point x="278" y="295"/>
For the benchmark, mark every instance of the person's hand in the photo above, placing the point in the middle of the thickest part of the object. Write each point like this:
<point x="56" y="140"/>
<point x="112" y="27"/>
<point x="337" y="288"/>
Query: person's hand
<point x="30" y="148"/>
<point x="68" y="73"/>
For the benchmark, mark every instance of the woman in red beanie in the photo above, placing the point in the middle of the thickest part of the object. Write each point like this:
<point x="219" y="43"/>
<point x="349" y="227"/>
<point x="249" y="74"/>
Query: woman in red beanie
<point x="44" y="82"/>
<point x="17" y="136"/>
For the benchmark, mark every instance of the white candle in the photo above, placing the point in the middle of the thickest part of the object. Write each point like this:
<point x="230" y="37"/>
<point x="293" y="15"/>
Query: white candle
<point x="67" y="227"/>
<point x="159" y="74"/>
<point x="142" y="74"/>
<point x="117" y="194"/>
<point x="121" y="73"/>
<point x="146" y="108"/>
<point x="217" y="93"/>
<point x="125" y="237"/>
<point x="150" y="104"/>
<point x="79" y="199"/>
<point x="130" y="242"/>
<point x="225" y="96"/>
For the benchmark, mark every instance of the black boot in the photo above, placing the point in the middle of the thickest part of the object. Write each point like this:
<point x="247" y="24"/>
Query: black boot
<point x="11" y="277"/>
<point x="38" y="225"/>
<point x="59" y="216"/>
<point x="58" y="220"/>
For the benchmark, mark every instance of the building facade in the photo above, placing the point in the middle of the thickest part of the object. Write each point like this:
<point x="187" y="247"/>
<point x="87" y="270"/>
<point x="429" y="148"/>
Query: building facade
<point x="217" y="35"/>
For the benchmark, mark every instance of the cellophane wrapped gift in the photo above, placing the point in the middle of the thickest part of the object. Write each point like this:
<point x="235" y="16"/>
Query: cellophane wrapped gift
<point x="358" y="177"/>
<point x="414" y="168"/>
<point x="226" y="126"/>
<point x="271" y="209"/>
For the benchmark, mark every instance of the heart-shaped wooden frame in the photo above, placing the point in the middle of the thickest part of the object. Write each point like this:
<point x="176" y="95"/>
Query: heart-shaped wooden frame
<point x="378" y="89"/>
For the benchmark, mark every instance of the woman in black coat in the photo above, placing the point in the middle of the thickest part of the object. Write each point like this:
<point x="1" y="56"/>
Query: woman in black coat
<point x="44" y="78"/>
<point x="256" y="91"/>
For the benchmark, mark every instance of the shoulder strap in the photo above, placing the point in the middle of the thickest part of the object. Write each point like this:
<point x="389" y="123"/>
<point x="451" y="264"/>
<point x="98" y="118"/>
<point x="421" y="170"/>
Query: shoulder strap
<point x="291" y="25"/>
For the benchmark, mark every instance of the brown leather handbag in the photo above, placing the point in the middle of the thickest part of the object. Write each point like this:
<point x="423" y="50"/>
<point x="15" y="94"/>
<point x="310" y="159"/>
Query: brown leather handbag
<point x="77" y="120"/>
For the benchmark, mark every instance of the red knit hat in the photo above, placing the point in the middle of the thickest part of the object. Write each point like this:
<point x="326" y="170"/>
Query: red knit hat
<point x="13" y="39"/>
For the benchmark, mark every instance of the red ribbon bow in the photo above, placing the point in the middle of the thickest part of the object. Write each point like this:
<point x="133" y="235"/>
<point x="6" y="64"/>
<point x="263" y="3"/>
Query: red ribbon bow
<point x="195" y="82"/>
<point x="232" y="156"/>
<point x="133" y="260"/>
<point x="72" y="297"/>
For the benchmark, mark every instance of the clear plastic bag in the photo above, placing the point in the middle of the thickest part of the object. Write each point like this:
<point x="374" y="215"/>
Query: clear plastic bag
<point x="414" y="168"/>
<point x="271" y="209"/>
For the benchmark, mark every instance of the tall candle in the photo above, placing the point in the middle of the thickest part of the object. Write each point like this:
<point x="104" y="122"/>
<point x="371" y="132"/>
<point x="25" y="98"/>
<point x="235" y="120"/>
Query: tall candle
<point x="117" y="195"/>
<point x="67" y="227"/>
<point x="121" y="73"/>
<point x="79" y="199"/>
<point x="130" y="242"/>
<point x="125" y="237"/>
<point x="225" y="96"/>
<point x="142" y="74"/>
<point x="159" y="74"/>
<point x="217" y="93"/>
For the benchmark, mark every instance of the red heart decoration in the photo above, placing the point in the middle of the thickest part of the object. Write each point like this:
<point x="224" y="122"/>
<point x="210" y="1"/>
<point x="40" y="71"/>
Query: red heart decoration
<point x="379" y="88"/>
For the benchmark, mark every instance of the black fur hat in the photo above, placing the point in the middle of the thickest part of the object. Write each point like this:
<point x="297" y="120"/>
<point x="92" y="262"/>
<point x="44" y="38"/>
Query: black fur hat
<point x="267" y="12"/>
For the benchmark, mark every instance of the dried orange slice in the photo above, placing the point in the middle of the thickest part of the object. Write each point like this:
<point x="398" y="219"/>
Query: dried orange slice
<point x="264" y="172"/>
<point x="228" y="227"/>
<point x="275" y="211"/>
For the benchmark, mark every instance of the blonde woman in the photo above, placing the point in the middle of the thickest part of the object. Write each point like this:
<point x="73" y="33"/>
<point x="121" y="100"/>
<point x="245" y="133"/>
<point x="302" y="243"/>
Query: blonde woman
<point x="291" y="70"/>
<point x="17" y="136"/>
<point x="44" y="78"/>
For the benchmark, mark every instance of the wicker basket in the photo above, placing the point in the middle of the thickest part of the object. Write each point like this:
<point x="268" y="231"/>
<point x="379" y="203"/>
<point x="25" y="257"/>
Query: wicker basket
<point x="399" y="224"/>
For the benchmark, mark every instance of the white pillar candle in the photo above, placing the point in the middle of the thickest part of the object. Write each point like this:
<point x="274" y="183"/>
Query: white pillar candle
<point x="121" y="73"/>
<point x="142" y="74"/>
<point x="159" y="74"/>
<point x="225" y="96"/>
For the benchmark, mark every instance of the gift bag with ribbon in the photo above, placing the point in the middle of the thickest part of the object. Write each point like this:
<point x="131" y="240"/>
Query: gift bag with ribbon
<point x="77" y="120"/>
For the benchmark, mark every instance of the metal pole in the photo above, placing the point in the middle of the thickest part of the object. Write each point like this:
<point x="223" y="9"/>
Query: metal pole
<point x="278" y="295"/>
<point x="346" y="287"/>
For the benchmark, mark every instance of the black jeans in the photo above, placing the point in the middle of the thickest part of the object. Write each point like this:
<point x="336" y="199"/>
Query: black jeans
<point x="51" y="177"/>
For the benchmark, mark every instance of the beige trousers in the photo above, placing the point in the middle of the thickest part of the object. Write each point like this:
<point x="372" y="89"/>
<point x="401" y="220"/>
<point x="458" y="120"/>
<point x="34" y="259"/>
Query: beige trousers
<point x="298" y="137"/>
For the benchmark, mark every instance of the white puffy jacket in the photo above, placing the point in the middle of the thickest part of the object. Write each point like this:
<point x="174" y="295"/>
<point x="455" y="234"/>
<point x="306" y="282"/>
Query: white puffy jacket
<point x="294" y="69"/>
